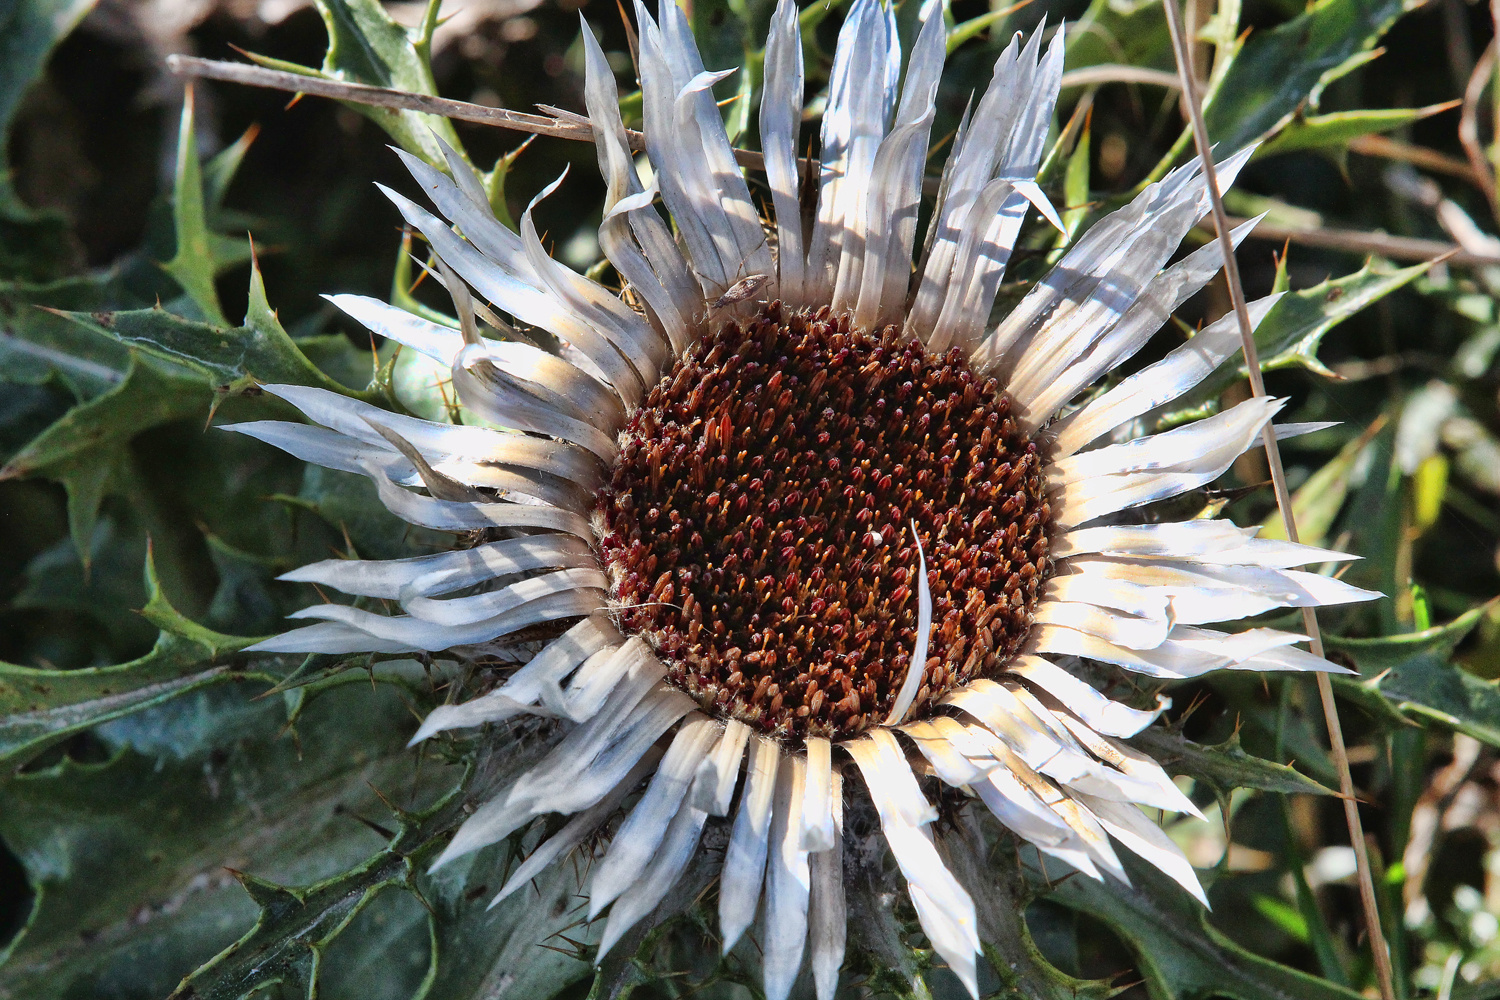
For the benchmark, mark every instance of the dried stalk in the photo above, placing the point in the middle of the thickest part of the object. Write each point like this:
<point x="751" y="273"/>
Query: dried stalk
<point x="1359" y="241"/>
<point x="556" y="123"/>
<point x="1386" y="148"/>
<point x="1468" y="127"/>
<point x="1193" y="100"/>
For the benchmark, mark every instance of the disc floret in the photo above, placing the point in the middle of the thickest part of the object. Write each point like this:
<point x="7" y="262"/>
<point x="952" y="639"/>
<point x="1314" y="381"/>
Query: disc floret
<point x="756" y="523"/>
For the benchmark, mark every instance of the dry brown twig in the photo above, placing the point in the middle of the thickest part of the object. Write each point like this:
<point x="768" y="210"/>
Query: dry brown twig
<point x="1193" y="100"/>
<point x="1468" y="127"/>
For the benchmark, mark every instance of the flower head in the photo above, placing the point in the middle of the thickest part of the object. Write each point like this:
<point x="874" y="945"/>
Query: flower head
<point x="798" y="510"/>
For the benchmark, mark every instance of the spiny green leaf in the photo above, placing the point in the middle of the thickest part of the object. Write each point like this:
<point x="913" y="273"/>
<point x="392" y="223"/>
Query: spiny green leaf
<point x="293" y="929"/>
<point x="1224" y="767"/>
<point x="232" y="359"/>
<point x="40" y="707"/>
<point x="1180" y="955"/>
<point x="366" y="46"/>
<point x="1413" y="677"/>
<point x="82" y="450"/>
<point x="1342" y="127"/>
<point x="218" y="172"/>
<point x="128" y="858"/>
<point x="36" y="344"/>
<point x="1278" y="72"/>
<point x="1291" y="332"/>
<point x="192" y="265"/>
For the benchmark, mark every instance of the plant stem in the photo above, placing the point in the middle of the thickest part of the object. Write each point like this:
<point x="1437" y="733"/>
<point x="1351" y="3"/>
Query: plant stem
<point x="1378" y="948"/>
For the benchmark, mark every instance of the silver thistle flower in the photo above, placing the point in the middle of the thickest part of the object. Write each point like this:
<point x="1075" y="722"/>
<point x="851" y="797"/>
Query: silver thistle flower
<point x="806" y="508"/>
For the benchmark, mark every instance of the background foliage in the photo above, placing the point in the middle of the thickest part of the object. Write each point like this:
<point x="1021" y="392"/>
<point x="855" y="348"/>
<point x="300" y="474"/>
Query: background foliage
<point x="178" y="818"/>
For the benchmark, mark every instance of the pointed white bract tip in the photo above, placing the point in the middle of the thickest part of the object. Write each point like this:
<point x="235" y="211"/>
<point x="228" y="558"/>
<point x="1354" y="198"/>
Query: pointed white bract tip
<point x="968" y="974"/>
<point x="608" y="940"/>
<point x="429" y="727"/>
<point x="1033" y="193"/>
<point x="442" y="859"/>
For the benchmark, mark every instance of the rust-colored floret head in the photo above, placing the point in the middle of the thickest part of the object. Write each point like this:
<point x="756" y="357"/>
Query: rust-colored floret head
<point x="756" y="528"/>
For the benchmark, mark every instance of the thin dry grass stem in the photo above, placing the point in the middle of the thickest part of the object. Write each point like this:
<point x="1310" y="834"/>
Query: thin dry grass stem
<point x="1193" y="100"/>
<point x="1385" y="148"/>
<point x="1363" y="242"/>
<point x="1468" y="127"/>
<point x="556" y="122"/>
<point x="1093" y="76"/>
<point x="568" y="126"/>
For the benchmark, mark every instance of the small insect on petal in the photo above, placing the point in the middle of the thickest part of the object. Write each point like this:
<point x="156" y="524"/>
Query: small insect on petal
<point x="740" y="291"/>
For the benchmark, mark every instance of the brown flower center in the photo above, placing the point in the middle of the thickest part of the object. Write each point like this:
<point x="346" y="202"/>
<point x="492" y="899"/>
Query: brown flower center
<point x="758" y="525"/>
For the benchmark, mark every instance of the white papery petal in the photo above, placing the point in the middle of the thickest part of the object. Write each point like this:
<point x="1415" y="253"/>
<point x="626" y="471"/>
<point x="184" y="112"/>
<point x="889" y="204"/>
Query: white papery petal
<point x="745" y="860"/>
<point x="522" y="300"/>
<point x="895" y="192"/>
<point x="754" y="256"/>
<point x="946" y="760"/>
<point x="1003" y="141"/>
<point x="713" y="785"/>
<point x="637" y="839"/>
<point x="595" y="678"/>
<point x="1123" y="594"/>
<point x="578" y="829"/>
<point x="1019" y="728"/>
<point x="437" y="440"/>
<point x="1168" y="660"/>
<point x="329" y="637"/>
<point x="1132" y="762"/>
<point x="827" y="915"/>
<point x="944" y="908"/>
<point x="1160" y="298"/>
<point x="1209" y="592"/>
<point x="1182" y="539"/>
<point x="818" y="832"/>
<point x="475" y="220"/>
<point x="665" y="869"/>
<point x="1100" y="711"/>
<point x="1215" y="443"/>
<point x="460" y="611"/>
<point x="1014" y="804"/>
<point x="1091" y="837"/>
<point x="978" y="260"/>
<point x="324" y="447"/>
<point x="780" y="127"/>
<point x="655" y="267"/>
<point x="444" y="572"/>
<point x="414" y="633"/>
<point x="861" y="93"/>
<point x="455" y="515"/>
<point x="583" y="768"/>
<point x="1126" y="630"/>
<point x="1098" y="280"/>
<point x="1158" y="383"/>
<point x="440" y="343"/>
<point x="685" y="184"/>
<point x="621" y="327"/>
<point x="498" y="397"/>
<point x="542" y="672"/>
<point x="788" y="884"/>
<point x="1146" y="840"/>
<point x="878" y="751"/>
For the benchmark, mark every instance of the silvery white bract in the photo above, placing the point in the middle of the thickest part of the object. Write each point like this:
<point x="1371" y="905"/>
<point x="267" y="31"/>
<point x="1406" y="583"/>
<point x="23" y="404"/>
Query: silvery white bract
<point x="1033" y="742"/>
